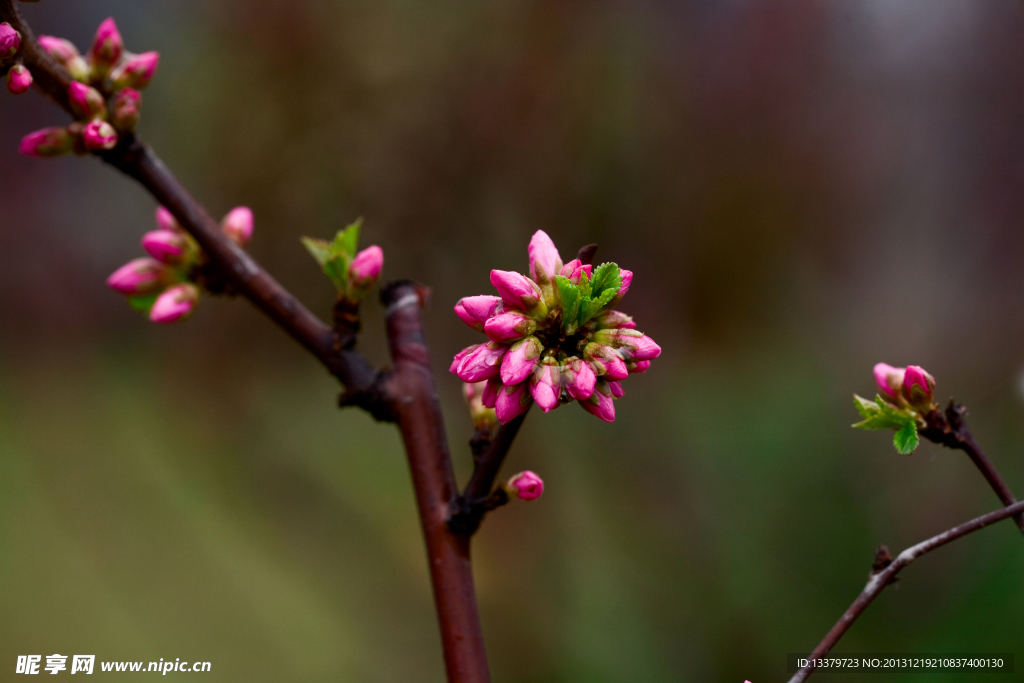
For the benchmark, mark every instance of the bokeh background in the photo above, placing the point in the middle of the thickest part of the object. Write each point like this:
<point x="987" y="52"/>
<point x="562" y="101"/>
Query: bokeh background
<point x="802" y="187"/>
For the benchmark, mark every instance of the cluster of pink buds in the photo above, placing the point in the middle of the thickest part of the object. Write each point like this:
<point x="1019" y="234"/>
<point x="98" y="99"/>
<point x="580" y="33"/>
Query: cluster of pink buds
<point x="164" y="284"/>
<point x="910" y="386"/>
<point x="524" y="486"/>
<point x="19" y="79"/>
<point x="555" y="337"/>
<point x="104" y="95"/>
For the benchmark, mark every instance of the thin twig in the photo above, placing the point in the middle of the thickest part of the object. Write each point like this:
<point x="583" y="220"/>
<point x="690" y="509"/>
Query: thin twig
<point x="886" y="576"/>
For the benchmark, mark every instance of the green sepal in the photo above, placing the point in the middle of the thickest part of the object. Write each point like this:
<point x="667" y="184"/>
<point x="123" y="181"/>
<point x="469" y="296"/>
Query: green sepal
<point x="570" y="297"/>
<point x="906" y="439"/>
<point x="143" y="302"/>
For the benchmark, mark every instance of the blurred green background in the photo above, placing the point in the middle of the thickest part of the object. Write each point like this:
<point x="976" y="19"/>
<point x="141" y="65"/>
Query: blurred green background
<point x="802" y="187"/>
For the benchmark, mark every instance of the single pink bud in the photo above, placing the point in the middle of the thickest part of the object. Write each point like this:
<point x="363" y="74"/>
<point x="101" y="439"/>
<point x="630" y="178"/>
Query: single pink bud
<point x="10" y="41"/>
<point x="239" y="224"/>
<point x="574" y="268"/>
<point x="491" y="390"/>
<point x="616" y="388"/>
<point x="889" y="379"/>
<point x="165" y="220"/>
<point x="525" y="486"/>
<point x="86" y="102"/>
<point x="546" y="384"/>
<point x="135" y="71"/>
<point x="605" y="361"/>
<point x="107" y="47"/>
<point x="483" y="363"/>
<point x="519" y="292"/>
<point x="460" y="355"/>
<point x="638" y="366"/>
<point x="614" y="319"/>
<point x="511" y="402"/>
<point x="67" y="55"/>
<point x="366" y="266"/>
<point x="476" y="310"/>
<point x="627" y="280"/>
<point x="165" y="246"/>
<point x="465" y="317"/>
<point x="99" y="135"/>
<point x="630" y="344"/>
<point x="579" y="379"/>
<point x="543" y="253"/>
<point x="918" y="386"/>
<point x="175" y="305"/>
<point x="601" y="403"/>
<point x="141" y="276"/>
<point x="19" y="79"/>
<point x="126" y="109"/>
<point x="520" y="360"/>
<point x="509" y="326"/>
<point x="48" y="142"/>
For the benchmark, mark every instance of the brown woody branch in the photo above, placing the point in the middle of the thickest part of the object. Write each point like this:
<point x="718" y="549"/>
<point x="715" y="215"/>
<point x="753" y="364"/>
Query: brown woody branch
<point x="885" y="573"/>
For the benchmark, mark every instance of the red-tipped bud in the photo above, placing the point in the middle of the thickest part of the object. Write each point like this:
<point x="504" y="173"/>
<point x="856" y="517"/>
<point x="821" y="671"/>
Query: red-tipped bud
<point x="67" y="56"/>
<point x="616" y="388"/>
<point x="19" y="79"/>
<point x="107" y="47"/>
<point x="165" y="220"/>
<point x="601" y="404"/>
<point x="49" y="142"/>
<point x="141" y="276"/>
<point x="512" y="401"/>
<point x="166" y="246"/>
<point x="520" y="360"/>
<point x="579" y="379"/>
<point x="638" y="366"/>
<point x="546" y="384"/>
<point x="509" y="326"/>
<point x="135" y="71"/>
<point x="364" y="271"/>
<point x="454" y="368"/>
<point x="519" y="292"/>
<point x="476" y="310"/>
<point x="238" y="225"/>
<point x="524" y="486"/>
<point x="918" y="386"/>
<point x="574" y="268"/>
<point x="605" y="361"/>
<point x="99" y="135"/>
<point x="126" y="109"/>
<point x="543" y="253"/>
<point x="10" y="41"/>
<point x="889" y="379"/>
<point x="491" y="389"/>
<point x="482" y="363"/>
<point x="630" y="344"/>
<point x="86" y="102"/>
<point x="175" y="305"/>
<point x="614" y="319"/>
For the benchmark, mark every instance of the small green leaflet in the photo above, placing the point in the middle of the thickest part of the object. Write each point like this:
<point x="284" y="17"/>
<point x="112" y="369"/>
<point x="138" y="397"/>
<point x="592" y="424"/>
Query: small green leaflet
<point x="583" y="301"/>
<point x="143" y="302"/>
<point x="334" y="257"/>
<point x="880" y="414"/>
<point x="606" y="278"/>
<point x="570" y="296"/>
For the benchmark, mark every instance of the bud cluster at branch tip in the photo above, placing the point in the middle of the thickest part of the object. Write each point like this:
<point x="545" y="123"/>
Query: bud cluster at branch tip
<point x="354" y="273"/>
<point x="103" y="94"/>
<point x="906" y="396"/>
<point x="524" y="486"/>
<point x="165" y="285"/>
<point x="554" y="336"/>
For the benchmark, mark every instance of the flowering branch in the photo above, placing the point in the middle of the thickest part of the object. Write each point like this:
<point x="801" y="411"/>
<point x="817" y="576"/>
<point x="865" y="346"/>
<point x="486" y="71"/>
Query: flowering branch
<point x="885" y="571"/>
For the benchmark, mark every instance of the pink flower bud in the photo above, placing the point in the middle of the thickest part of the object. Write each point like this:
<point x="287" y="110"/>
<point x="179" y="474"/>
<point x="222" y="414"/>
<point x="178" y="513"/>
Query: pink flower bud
<point x="86" y="102"/>
<point x="238" y="225"/>
<point x="511" y="402"/>
<point x="482" y="363"/>
<point x="10" y="41"/>
<point x="365" y="269"/>
<point x="546" y="384"/>
<point x="141" y="276"/>
<point x="67" y="55"/>
<point x="465" y="317"/>
<point x="605" y="361"/>
<point x="99" y="135"/>
<point x="614" y="319"/>
<point x="166" y="220"/>
<point x="491" y="390"/>
<point x="574" y="268"/>
<point x="135" y="71"/>
<point x="509" y="326"/>
<point x="601" y="403"/>
<point x="175" y="305"/>
<point x="107" y="47"/>
<point x="49" y="142"/>
<point x="525" y="486"/>
<point x="889" y="379"/>
<point x="19" y="79"/>
<point x="630" y="344"/>
<point x="616" y="388"/>
<point x="543" y="253"/>
<point x="918" y="386"/>
<point x="519" y="292"/>
<point x="520" y="360"/>
<point x="638" y="366"/>
<point x="126" y="109"/>
<point x="627" y="280"/>
<point x="165" y="246"/>
<point x="579" y="379"/>
<point x="476" y="310"/>
<point x="460" y="355"/>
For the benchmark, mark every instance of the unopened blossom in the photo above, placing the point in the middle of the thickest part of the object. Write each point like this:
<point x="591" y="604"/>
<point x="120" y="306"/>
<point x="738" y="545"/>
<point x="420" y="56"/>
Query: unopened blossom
<point x="165" y="220"/>
<point x="141" y="276"/>
<point x="166" y="246"/>
<point x="86" y="102"/>
<point x="48" y="142"/>
<point x="126" y="109"/>
<point x="524" y="486"/>
<point x="19" y="79"/>
<point x="67" y="55"/>
<point x="555" y="337"/>
<point x="10" y="41"/>
<point x="99" y="135"/>
<point x="175" y="304"/>
<point x="918" y="386"/>
<point x="238" y="225"/>
<point x="364" y="271"/>
<point x="107" y="48"/>
<point x="135" y="71"/>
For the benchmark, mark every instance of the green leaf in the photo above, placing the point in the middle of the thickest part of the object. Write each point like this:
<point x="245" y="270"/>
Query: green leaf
<point x="143" y="302"/>
<point x="570" y="296"/>
<point x="337" y="270"/>
<point x="905" y="439"/>
<point x="347" y="241"/>
<point x="881" y="414"/>
<point x="607" y="278"/>
<point x="865" y="407"/>
<point x="584" y="285"/>
<point x="319" y="249"/>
